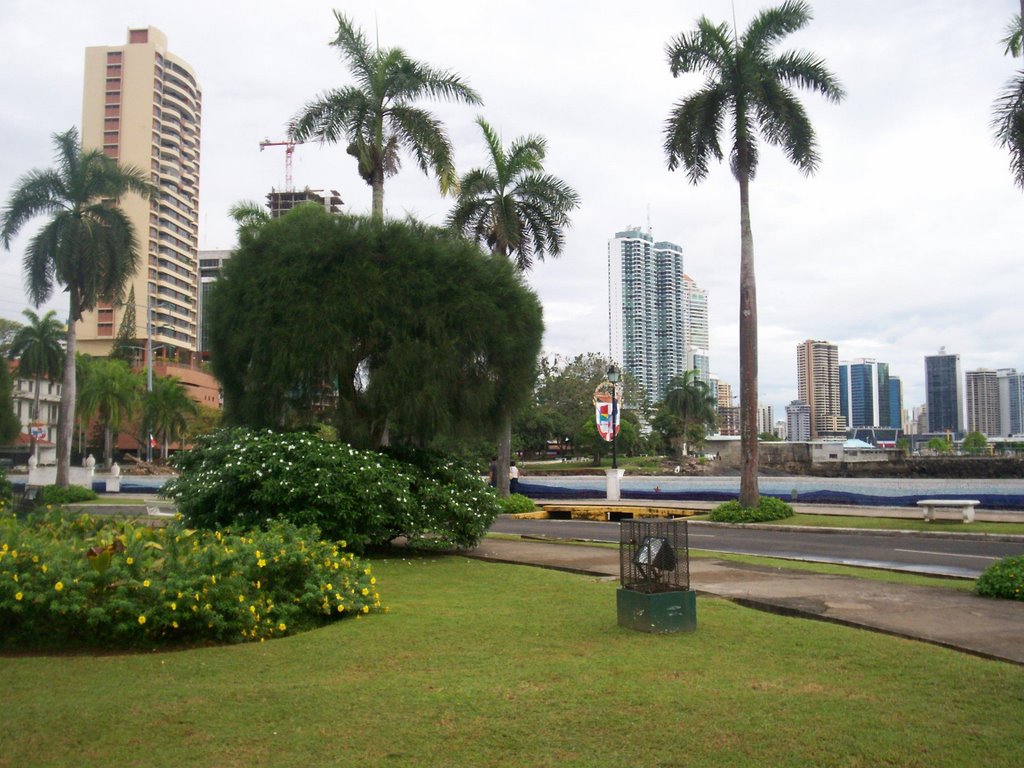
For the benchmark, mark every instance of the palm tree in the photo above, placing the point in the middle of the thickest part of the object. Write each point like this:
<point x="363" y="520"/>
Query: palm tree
<point x="690" y="407"/>
<point x="378" y="117"/>
<point x="249" y="218"/>
<point x="521" y="213"/>
<point x="1008" y="115"/>
<point x="749" y="86"/>
<point x="88" y="246"/>
<point x="38" y="349"/>
<point x="111" y="391"/>
<point x="167" y="410"/>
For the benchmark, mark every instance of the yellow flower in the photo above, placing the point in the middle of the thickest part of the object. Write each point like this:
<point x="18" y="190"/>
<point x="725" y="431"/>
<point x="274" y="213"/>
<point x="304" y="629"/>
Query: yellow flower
<point x="142" y="619"/>
<point x="329" y="587"/>
<point x="145" y="583"/>
<point x="343" y="544"/>
<point x="130" y="560"/>
<point x="44" y="567"/>
<point x="258" y="554"/>
<point x="213" y="579"/>
<point x="365" y="591"/>
<point x="373" y="579"/>
<point x="174" y="624"/>
<point x="258" y="585"/>
<point x="340" y="607"/>
<point x="174" y="606"/>
<point x="18" y="596"/>
<point x="35" y="558"/>
<point x="241" y="598"/>
<point x="59" y="586"/>
<point x="261" y="562"/>
<point x="282" y="626"/>
<point x="6" y="547"/>
<point x="366" y="609"/>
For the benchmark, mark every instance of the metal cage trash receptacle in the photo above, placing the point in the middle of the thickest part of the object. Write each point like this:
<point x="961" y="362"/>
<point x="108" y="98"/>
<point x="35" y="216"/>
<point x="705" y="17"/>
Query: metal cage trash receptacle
<point x="654" y="572"/>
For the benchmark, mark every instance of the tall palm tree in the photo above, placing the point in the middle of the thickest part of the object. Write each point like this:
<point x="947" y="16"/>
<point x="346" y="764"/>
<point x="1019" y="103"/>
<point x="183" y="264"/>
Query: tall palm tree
<point x="690" y="405"/>
<point x="1008" y="115"/>
<point x="112" y="392"/>
<point x="521" y="213"/>
<point x="37" y="346"/>
<point x="749" y="86"/>
<point x="378" y="116"/>
<point x="88" y="245"/>
<point x="167" y="410"/>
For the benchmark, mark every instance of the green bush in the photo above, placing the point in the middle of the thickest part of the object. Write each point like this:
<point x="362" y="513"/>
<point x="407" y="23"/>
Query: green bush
<point x="240" y="478"/>
<point x="6" y="491"/>
<point x="1004" y="579"/>
<point x="516" y="504"/>
<point x="55" y="495"/>
<point x="769" y="508"/>
<point x="88" y="582"/>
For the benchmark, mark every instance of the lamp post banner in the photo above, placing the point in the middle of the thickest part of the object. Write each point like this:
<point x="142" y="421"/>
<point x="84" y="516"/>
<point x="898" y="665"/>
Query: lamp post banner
<point x="603" y="416"/>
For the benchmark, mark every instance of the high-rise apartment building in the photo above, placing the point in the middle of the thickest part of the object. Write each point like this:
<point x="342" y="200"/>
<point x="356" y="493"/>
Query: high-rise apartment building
<point x="1011" y="401"/>
<point x="142" y="106"/>
<point x="697" y="328"/>
<point x="896" y="402"/>
<point x="210" y="265"/>
<point x="649" y="305"/>
<point x="765" y="418"/>
<point x="798" y="422"/>
<point x="818" y="387"/>
<point x="983" y="402"/>
<point x="944" y="398"/>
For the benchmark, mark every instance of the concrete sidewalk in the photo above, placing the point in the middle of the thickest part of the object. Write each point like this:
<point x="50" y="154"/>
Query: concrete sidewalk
<point x="989" y="628"/>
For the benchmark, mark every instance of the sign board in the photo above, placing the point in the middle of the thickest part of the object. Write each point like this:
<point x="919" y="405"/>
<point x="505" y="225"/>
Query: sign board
<point x="603" y="415"/>
<point x="37" y="431"/>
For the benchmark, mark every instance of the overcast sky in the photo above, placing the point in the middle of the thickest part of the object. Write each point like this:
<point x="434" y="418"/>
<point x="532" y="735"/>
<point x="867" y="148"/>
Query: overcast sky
<point x="909" y="238"/>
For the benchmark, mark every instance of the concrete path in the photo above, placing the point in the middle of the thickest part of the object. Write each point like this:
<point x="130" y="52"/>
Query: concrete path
<point x="989" y="628"/>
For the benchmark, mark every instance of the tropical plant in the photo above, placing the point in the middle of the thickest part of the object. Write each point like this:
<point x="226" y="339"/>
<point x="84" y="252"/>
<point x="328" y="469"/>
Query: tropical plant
<point x="248" y="216"/>
<point x="521" y="213"/>
<point x="10" y="424"/>
<point x="166" y="410"/>
<point x="975" y="442"/>
<point x="37" y="346"/>
<point x="111" y="391"/>
<point x="1008" y="114"/>
<point x="749" y="86"/>
<point x="378" y="116"/>
<point x="688" y="411"/>
<point x="88" y="245"/>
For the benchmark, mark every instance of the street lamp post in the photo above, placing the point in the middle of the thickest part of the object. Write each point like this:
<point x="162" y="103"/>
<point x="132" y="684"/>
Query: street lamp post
<point x="149" y="372"/>
<point x="613" y="379"/>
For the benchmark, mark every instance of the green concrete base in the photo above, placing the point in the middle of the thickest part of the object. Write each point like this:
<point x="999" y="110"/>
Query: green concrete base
<point x="658" y="612"/>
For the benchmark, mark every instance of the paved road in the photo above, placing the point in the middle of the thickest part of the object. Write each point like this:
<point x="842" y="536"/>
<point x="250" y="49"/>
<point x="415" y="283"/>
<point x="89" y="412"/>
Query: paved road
<point x="945" y="554"/>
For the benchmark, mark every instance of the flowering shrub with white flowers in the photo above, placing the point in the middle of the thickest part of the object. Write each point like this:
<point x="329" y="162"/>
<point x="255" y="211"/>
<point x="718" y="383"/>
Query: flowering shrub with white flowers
<point x="242" y="478"/>
<point x="93" y="582"/>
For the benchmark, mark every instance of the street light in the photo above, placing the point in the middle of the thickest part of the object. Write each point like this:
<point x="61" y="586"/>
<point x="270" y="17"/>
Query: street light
<point x="613" y="379"/>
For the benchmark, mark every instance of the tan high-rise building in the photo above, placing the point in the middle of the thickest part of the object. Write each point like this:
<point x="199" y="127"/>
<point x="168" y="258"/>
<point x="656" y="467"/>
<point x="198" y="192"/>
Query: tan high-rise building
<point x="142" y="106"/>
<point x="818" y="385"/>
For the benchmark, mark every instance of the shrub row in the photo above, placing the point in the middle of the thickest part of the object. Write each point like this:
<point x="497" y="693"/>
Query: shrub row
<point x="769" y="508"/>
<point x="1003" y="579"/>
<point x="90" y="582"/>
<point x="241" y="477"/>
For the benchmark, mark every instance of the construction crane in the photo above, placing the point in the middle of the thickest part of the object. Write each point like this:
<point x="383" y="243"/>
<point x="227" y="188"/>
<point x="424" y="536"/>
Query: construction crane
<point x="289" y="149"/>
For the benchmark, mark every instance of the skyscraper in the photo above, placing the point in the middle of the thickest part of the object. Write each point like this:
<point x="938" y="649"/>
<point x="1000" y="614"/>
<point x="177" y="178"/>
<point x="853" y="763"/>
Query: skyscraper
<point x="865" y="394"/>
<point x="649" y="306"/>
<point x="798" y="422"/>
<point x="1011" y="401"/>
<point x="818" y="387"/>
<point x="142" y="105"/>
<point x="983" y="402"/>
<point x="944" y="392"/>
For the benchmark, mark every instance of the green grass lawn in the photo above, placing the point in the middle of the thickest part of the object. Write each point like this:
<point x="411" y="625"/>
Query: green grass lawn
<point x="481" y="664"/>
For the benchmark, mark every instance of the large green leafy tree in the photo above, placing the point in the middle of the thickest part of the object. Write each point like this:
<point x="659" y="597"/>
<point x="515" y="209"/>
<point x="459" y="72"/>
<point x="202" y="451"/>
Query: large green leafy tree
<point x="408" y="326"/>
<point x="7" y="330"/>
<point x="167" y="410"/>
<point x="687" y="412"/>
<point x="37" y="346"/>
<point x="10" y="426"/>
<point x="379" y="117"/>
<point x="1008" y="115"/>
<point x="110" y="392"/>
<point x="87" y="246"/>
<point x="749" y="92"/>
<point x="521" y="213"/>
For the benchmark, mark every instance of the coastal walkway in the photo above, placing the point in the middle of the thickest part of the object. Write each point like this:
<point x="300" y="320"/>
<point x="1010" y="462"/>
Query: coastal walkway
<point x="946" y="617"/>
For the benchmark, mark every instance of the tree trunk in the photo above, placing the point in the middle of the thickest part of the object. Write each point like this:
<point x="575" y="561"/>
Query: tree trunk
<point x="504" y="454"/>
<point x="378" y="194"/>
<point x="108" y="445"/>
<point x="66" y="414"/>
<point x="749" y="494"/>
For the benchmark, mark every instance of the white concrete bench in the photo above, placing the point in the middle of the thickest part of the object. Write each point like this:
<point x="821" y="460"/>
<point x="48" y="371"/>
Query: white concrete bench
<point x="964" y="507"/>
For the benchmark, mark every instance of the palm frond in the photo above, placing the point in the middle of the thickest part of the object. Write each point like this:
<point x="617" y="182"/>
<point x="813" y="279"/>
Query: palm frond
<point x="36" y="193"/>
<point x="1014" y="40"/>
<point x="336" y="115"/>
<point x="692" y="130"/>
<point x="423" y="135"/>
<point x="784" y="123"/>
<point x="805" y="70"/>
<point x="1008" y="125"/>
<point x="38" y="262"/>
<point x="353" y="46"/>
<point x="442" y="84"/>
<point x="773" y="24"/>
<point x="706" y="50"/>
